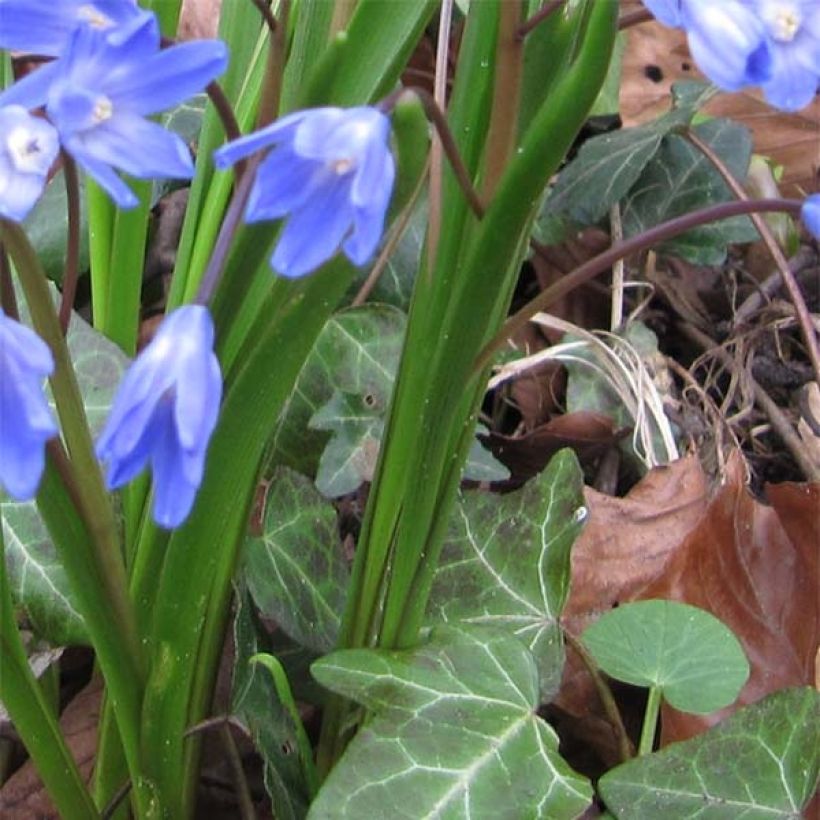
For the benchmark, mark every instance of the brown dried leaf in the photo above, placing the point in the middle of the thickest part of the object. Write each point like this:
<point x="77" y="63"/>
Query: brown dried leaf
<point x="588" y="434"/>
<point x="756" y="568"/>
<point x="23" y="796"/>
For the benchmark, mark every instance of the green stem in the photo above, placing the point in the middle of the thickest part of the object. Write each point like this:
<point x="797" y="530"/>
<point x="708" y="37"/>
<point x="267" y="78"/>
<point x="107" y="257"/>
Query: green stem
<point x="33" y="718"/>
<point x="650" y="721"/>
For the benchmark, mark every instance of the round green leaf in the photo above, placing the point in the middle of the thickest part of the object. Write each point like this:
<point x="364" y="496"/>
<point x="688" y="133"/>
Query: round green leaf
<point x="693" y="658"/>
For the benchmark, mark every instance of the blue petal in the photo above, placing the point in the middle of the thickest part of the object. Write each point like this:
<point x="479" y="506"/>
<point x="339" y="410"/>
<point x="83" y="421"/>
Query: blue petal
<point x="283" y="182"/>
<point x="369" y="219"/>
<point x="794" y="80"/>
<point x="666" y="11"/>
<point x="168" y="77"/>
<point x="138" y="147"/>
<point x="33" y="90"/>
<point x="18" y="192"/>
<point x="173" y="493"/>
<point x="313" y="234"/>
<point x="104" y="176"/>
<point x="810" y="214"/>
<point x="375" y="172"/>
<point x="280" y="131"/>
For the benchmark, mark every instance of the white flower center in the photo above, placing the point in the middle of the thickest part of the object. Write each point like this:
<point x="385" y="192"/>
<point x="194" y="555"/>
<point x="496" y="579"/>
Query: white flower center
<point x="94" y="17"/>
<point x="25" y="150"/>
<point x="103" y="109"/>
<point x="342" y="166"/>
<point x="784" y="21"/>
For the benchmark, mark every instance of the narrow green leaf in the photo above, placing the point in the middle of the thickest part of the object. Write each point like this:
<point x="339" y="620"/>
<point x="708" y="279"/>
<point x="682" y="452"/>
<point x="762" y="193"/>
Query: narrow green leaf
<point x="679" y="179"/>
<point x="693" y="658"/>
<point x="759" y="764"/>
<point x="255" y="703"/>
<point x="295" y="570"/>
<point x="506" y="563"/>
<point x="453" y="734"/>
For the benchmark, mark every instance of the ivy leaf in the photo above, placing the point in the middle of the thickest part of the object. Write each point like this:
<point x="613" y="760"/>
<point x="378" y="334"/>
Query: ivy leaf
<point x="691" y="656"/>
<point x="760" y="763"/>
<point x="453" y="733"/>
<point x="506" y="562"/>
<point x="349" y="458"/>
<point x="356" y="354"/>
<point x="254" y="702"/>
<point x="295" y="570"/>
<point x="680" y="179"/>
<point x="607" y="166"/>
<point x="38" y="582"/>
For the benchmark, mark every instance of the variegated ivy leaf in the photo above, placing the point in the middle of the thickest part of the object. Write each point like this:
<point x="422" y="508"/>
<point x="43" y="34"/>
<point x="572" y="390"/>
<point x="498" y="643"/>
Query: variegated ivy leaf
<point x="453" y="733"/>
<point x="506" y="562"/>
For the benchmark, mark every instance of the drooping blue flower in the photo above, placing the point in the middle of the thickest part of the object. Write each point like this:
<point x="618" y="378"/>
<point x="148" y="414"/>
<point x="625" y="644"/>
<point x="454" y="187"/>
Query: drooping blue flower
<point x="810" y="214"/>
<point x="45" y="26"/>
<point x="26" y="422"/>
<point x="330" y="173"/>
<point x="99" y="92"/>
<point x="793" y="29"/>
<point x="28" y="147"/>
<point x="164" y="413"/>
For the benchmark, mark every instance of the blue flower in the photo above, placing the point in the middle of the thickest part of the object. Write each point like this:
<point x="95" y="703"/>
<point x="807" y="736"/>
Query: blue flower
<point x="99" y="92"/>
<point x="45" y="26"/>
<point x="793" y="29"/>
<point x="164" y="413"/>
<point x="28" y="147"/>
<point x="26" y="423"/>
<point x="331" y="173"/>
<point x="810" y="214"/>
<point x="727" y="39"/>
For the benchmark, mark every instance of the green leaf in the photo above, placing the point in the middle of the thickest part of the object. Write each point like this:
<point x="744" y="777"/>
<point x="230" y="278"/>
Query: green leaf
<point x="679" y="179"/>
<point x="38" y="581"/>
<point x="453" y="733"/>
<point x="609" y="165"/>
<point x="759" y="764"/>
<point x="99" y="365"/>
<point x="255" y="703"/>
<point x="608" y="101"/>
<point x="356" y="354"/>
<point x="691" y="656"/>
<point x="506" y="562"/>
<point x="481" y="464"/>
<point x="349" y="458"/>
<point x="47" y="228"/>
<point x="295" y="571"/>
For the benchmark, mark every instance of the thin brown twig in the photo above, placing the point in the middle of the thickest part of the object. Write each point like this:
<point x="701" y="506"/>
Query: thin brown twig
<point x="776" y="416"/>
<point x="72" y="253"/>
<point x="625" y="748"/>
<point x="634" y="18"/>
<point x="247" y="811"/>
<point x="789" y="282"/>
<point x="274" y="70"/>
<point x="267" y="15"/>
<point x="8" y="299"/>
<point x="604" y="261"/>
<point x="116" y="800"/>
